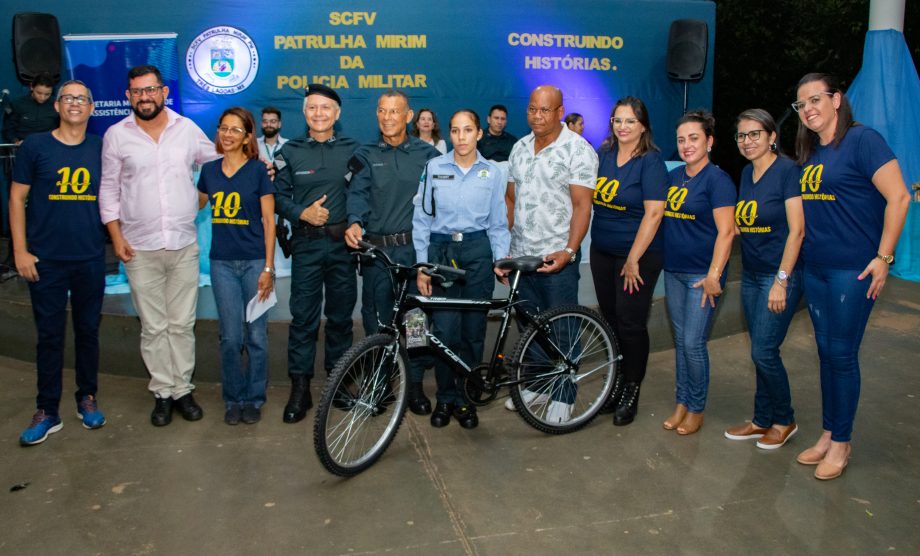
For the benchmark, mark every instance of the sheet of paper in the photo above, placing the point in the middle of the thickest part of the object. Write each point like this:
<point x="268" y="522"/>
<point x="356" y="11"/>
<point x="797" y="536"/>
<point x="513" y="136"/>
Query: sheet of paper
<point x="255" y="308"/>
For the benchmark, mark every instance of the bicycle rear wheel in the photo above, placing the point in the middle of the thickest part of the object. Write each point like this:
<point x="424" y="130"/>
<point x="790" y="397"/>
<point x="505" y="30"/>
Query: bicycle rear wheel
<point x="362" y="406"/>
<point x="566" y="361"/>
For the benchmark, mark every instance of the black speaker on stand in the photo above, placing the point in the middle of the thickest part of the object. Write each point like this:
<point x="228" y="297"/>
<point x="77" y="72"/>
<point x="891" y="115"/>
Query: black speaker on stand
<point x="688" y="43"/>
<point x="36" y="45"/>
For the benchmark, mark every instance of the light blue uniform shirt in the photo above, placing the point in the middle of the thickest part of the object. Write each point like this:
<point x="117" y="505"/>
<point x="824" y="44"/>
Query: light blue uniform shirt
<point x="462" y="203"/>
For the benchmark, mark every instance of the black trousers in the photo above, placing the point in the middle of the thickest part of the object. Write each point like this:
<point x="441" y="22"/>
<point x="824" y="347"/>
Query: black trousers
<point x="627" y="313"/>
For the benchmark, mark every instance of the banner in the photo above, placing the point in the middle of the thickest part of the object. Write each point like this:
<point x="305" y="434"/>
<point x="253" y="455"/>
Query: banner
<point x="103" y="61"/>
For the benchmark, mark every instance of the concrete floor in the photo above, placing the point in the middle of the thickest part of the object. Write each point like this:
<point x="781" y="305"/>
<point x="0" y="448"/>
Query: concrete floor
<point x="207" y="488"/>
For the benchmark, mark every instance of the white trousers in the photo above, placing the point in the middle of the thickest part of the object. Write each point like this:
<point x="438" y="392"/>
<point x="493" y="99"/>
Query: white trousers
<point x="164" y="288"/>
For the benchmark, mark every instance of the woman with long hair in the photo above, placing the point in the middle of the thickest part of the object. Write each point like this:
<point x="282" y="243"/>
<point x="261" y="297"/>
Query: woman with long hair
<point x="855" y="204"/>
<point x="242" y="257"/>
<point x="626" y="255"/>
<point x="425" y="126"/>
<point x="698" y="233"/>
<point x="769" y="219"/>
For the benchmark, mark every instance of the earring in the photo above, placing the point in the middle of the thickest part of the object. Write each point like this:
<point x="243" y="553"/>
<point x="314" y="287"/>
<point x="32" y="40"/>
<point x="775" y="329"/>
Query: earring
<point x="709" y="149"/>
<point x="773" y="147"/>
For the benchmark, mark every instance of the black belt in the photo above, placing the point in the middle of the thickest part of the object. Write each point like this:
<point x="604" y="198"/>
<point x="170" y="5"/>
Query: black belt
<point x="335" y="231"/>
<point x="391" y="240"/>
<point x="457" y="237"/>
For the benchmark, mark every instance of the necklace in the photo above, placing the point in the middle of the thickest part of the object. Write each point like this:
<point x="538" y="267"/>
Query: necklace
<point x="687" y="179"/>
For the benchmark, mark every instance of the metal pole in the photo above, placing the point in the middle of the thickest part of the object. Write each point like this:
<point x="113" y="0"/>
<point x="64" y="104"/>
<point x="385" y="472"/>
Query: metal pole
<point x="886" y="14"/>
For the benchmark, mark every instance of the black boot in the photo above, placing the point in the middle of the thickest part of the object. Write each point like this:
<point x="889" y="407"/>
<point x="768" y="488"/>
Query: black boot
<point x="299" y="401"/>
<point x="418" y="401"/>
<point x="629" y="405"/>
<point x="616" y="393"/>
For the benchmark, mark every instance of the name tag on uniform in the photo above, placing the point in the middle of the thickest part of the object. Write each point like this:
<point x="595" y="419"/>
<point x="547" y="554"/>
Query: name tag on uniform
<point x="443" y="176"/>
<point x="305" y="172"/>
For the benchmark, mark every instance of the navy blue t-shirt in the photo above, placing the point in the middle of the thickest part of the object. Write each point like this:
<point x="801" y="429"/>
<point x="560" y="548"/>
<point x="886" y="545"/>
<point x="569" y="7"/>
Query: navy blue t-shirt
<point x="618" y="199"/>
<point x="62" y="213"/>
<point x="236" y="209"/>
<point x="689" y="229"/>
<point x="760" y="214"/>
<point x="844" y="212"/>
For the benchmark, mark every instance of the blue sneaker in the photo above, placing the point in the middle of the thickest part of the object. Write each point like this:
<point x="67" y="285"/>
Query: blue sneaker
<point x="89" y="413"/>
<point x="42" y="425"/>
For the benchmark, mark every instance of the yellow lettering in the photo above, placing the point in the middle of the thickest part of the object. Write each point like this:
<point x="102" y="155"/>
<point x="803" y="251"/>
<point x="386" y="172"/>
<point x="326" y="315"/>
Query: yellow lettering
<point x="352" y="18"/>
<point x="402" y="41"/>
<point x="351" y="62"/>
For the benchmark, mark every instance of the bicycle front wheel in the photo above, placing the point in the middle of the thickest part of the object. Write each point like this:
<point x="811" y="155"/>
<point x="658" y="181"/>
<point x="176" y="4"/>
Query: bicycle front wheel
<point x="362" y="406"/>
<point x="565" y="363"/>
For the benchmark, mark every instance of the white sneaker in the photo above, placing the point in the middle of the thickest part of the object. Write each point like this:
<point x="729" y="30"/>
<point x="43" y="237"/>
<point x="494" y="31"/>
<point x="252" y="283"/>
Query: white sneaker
<point x="559" y="412"/>
<point x="529" y="397"/>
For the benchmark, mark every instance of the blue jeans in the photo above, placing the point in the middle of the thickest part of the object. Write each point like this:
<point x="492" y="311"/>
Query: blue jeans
<point x="691" y="324"/>
<point x="84" y="281"/>
<point x="839" y="312"/>
<point x="772" y="400"/>
<point x="234" y="284"/>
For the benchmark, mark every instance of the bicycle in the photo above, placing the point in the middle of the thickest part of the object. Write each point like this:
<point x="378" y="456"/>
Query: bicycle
<point x="560" y="372"/>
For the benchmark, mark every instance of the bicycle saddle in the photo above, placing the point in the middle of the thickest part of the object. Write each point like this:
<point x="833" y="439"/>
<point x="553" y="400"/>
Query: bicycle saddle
<point x="524" y="264"/>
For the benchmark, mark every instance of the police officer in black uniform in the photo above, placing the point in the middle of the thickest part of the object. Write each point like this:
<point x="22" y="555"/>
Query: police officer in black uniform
<point x="380" y="212"/>
<point x="310" y="191"/>
<point x="496" y="143"/>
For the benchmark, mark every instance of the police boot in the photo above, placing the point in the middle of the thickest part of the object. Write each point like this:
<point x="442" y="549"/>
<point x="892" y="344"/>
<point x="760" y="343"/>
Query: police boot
<point x="616" y="393"/>
<point x="299" y="401"/>
<point x="418" y="401"/>
<point x="629" y="405"/>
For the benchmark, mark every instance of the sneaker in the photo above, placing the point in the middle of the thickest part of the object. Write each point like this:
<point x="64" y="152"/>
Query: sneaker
<point x="233" y="415"/>
<point x="89" y="413"/>
<point x="774" y="438"/>
<point x="42" y="425"/>
<point x="529" y="397"/>
<point x="559" y="412"/>
<point x="747" y="431"/>
<point x="251" y="414"/>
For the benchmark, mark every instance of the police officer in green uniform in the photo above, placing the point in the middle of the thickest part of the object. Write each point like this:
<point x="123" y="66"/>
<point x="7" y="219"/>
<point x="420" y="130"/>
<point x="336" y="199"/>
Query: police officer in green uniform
<point x="310" y="191"/>
<point x="380" y="212"/>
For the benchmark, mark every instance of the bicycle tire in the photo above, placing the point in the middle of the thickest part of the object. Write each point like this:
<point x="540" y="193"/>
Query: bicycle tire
<point x="362" y="406"/>
<point x="564" y="402"/>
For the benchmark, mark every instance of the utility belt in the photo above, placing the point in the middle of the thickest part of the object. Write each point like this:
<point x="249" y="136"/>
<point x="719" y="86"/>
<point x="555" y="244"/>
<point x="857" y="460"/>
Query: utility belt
<point x="390" y="240"/>
<point x="335" y="231"/>
<point x="457" y="237"/>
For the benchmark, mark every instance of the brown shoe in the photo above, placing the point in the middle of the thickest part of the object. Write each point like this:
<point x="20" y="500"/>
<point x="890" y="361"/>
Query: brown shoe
<point x="811" y="456"/>
<point x="691" y="423"/>
<point x="747" y="431"/>
<point x="827" y="471"/>
<point x="675" y="419"/>
<point x="776" y="438"/>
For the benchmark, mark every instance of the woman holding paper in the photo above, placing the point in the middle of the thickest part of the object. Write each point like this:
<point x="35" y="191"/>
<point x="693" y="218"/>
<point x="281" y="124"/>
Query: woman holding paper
<point x="242" y="255"/>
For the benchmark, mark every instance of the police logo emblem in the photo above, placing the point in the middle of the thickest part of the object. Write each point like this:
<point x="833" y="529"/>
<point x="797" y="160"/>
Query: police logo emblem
<point x="222" y="60"/>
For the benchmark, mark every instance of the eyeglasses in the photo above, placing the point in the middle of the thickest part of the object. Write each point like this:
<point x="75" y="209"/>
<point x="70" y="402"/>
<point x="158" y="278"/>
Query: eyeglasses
<point x="234" y="131"/>
<point x="79" y="100"/>
<point x="753" y="135"/>
<point x="628" y="122"/>
<point x="532" y="110"/>
<point x="813" y="101"/>
<point x="140" y="91"/>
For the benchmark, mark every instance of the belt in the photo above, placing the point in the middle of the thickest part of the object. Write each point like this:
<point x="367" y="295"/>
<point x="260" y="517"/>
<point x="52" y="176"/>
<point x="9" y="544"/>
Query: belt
<point x="457" y="237"/>
<point x="335" y="231"/>
<point x="391" y="240"/>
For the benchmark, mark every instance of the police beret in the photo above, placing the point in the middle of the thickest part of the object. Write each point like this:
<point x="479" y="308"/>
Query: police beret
<point x="322" y="90"/>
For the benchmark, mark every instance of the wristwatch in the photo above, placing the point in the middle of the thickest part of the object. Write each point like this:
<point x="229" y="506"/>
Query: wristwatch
<point x="887" y="258"/>
<point x="571" y="252"/>
<point x="781" y="277"/>
<point x="269" y="270"/>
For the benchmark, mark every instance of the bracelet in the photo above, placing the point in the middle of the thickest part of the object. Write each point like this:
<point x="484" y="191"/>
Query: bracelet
<point x="780" y="283"/>
<point x="571" y="252"/>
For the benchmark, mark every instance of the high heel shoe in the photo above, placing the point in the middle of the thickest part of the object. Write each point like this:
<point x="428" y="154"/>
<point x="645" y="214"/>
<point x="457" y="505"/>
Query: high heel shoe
<point x="827" y="471"/>
<point x="691" y="423"/>
<point x="676" y="418"/>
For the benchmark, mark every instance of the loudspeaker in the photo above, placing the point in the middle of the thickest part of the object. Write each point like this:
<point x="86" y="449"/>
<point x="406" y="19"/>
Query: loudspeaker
<point x="688" y="42"/>
<point x="37" y="45"/>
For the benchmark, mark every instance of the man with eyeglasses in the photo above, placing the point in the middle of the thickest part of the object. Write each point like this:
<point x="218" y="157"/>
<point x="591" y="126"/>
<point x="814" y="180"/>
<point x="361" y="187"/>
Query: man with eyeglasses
<point x="148" y="202"/>
<point x="553" y="171"/>
<point x="60" y="249"/>
<point x="271" y="140"/>
<point x="380" y="209"/>
<point x="310" y="191"/>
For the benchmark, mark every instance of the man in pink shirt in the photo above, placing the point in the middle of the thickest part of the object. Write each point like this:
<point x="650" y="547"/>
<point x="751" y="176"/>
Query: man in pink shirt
<point x="148" y="202"/>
